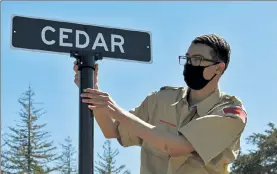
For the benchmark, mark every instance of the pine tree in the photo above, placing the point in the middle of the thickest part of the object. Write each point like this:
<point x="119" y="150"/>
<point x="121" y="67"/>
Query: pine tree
<point x="68" y="158"/>
<point x="3" y="160"/>
<point x="28" y="149"/>
<point x="106" y="164"/>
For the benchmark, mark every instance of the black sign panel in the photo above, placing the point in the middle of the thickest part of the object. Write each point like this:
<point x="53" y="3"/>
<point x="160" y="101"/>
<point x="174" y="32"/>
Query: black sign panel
<point x="63" y="37"/>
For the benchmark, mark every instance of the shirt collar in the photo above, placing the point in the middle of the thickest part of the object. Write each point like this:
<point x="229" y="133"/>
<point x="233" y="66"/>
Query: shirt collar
<point x="205" y="105"/>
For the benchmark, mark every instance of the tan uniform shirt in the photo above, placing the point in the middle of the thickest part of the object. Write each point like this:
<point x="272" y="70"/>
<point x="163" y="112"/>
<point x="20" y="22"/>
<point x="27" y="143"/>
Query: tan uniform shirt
<point x="213" y="127"/>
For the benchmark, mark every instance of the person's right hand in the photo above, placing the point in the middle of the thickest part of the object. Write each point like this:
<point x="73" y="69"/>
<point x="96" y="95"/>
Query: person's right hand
<point x="76" y="79"/>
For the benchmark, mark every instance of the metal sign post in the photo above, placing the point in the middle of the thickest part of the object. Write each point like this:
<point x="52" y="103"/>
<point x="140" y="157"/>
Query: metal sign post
<point x="86" y="63"/>
<point x="86" y="43"/>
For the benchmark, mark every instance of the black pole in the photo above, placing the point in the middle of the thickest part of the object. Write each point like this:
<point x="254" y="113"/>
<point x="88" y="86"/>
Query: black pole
<point x="86" y="63"/>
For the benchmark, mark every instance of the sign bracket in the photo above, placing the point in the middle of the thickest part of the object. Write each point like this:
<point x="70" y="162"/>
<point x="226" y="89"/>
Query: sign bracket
<point x="86" y="63"/>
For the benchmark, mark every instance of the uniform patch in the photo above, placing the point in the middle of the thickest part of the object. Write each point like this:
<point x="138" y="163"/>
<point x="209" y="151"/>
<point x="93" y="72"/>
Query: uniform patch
<point x="170" y="124"/>
<point x="236" y="111"/>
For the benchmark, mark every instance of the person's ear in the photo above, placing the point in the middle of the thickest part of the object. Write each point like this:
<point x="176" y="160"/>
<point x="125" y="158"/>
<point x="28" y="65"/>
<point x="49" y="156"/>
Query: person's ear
<point x="220" y="68"/>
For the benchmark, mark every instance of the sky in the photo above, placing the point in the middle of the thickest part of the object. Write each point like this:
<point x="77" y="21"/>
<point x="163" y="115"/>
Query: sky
<point x="249" y="27"/>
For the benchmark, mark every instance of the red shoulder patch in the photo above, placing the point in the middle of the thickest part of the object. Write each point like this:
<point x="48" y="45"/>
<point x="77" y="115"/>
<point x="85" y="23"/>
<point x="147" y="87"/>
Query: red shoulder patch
<point x="236" y="111"/>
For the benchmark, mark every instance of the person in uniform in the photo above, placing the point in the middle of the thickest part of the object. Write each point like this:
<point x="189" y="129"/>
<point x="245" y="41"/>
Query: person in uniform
<point x="181" y="130"/>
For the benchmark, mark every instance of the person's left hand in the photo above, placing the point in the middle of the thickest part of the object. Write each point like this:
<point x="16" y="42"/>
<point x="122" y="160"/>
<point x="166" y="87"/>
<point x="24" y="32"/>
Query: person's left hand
<point x="102" y="104"/>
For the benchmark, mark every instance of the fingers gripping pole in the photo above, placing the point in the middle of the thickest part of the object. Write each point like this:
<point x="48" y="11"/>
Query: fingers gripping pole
<point x="86" y="64"/>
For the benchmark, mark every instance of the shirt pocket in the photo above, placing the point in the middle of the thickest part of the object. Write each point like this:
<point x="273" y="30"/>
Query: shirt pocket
<point x="162" y="124"/>
<point x="166" y="119"/>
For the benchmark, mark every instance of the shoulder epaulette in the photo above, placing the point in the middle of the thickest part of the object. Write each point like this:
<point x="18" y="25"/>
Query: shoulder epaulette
<point x="170" y="88"/>
<point x="230" y="99"/>
<point x="236" y="100"/>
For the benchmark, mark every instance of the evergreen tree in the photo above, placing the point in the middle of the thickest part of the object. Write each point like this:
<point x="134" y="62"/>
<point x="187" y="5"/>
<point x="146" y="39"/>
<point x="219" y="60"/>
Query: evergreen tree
<point x="28" y="149"/>
<point x="106" y="164"/>
<point x="263" y="160"/>
<point x="68" y="158"/>
<point x="3" y="160"/>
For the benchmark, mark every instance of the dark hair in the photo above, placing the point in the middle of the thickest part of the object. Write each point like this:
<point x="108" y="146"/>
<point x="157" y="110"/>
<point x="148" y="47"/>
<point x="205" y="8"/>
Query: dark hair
<point x="221" y="49"/>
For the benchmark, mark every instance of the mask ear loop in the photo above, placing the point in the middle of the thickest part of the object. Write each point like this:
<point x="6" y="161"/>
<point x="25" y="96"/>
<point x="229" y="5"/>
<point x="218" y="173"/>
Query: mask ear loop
<point x="215" y="73"/>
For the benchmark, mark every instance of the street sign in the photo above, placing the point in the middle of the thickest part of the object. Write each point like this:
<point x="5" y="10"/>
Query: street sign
<point x="64" y="37"/>
<point x="88" y="44"/>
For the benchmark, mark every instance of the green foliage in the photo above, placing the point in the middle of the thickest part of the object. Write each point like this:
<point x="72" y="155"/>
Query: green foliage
<point x="263" y="160"/>
<point x="67" y="161"/>
<point x="27" y="148"/>
<point x="107" y="162"/>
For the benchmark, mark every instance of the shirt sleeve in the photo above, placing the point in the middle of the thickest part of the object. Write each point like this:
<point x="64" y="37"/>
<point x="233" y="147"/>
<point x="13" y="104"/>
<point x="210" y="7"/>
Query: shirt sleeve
<point x="142" y="111"/>
<point x="212" y="134"/>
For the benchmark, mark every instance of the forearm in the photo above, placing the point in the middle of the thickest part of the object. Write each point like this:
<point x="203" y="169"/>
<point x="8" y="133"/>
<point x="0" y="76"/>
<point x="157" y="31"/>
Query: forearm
<point x="170" y="143"/>
<point x="107" y="125"/>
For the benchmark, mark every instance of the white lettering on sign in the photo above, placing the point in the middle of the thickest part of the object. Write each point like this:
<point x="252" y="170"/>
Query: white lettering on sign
<point x="43" y="35"/>
<point x="63" y="36"/>
<point x="78" y="33"/>
<point x="98" y="44"/>
<point x="115" y="40"/>
<point x="119" y="44"/>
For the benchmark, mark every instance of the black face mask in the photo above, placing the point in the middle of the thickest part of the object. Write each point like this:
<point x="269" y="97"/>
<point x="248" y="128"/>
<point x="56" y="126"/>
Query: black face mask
<point x="194" y="76"/>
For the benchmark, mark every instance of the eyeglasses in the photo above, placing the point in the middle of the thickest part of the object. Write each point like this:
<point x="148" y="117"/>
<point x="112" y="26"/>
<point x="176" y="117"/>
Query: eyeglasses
<point x="195" y="61"/>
